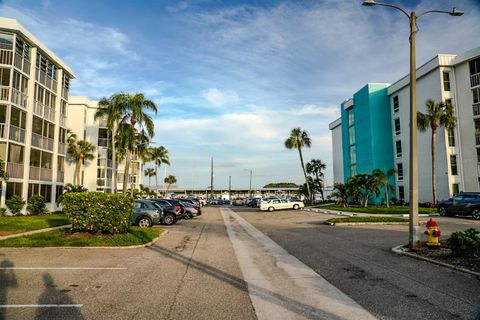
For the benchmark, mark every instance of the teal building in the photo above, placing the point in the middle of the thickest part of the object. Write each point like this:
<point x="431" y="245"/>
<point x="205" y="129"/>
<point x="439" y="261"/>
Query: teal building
<point x="367" y="133"/>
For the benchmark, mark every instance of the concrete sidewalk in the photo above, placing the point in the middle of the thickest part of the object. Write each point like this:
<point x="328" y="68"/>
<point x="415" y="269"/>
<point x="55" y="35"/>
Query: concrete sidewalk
<point x="15" y="235"/>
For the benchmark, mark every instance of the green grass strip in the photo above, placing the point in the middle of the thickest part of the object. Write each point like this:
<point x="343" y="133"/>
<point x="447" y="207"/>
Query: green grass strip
<point x="16" y="224"/>
<point x="378" y="210"/>
<point x="366" y="219"/>
<point x="65" y="238"/>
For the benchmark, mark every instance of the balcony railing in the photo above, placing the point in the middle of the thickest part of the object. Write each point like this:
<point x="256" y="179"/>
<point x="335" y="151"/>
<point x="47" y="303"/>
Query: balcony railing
<point x="26" y="66"/>
<point x="19" y="98"/>
<point x="34" y="173"/>
<point x="3" y="131"/>
<point x="6" y="57"/>
<point x="65" y="93"/>
<point x="43" y="111"/>
<point x="477" y="139"/>
<point x="40" y="141"/>
<point x="45" y="174"/>
<point x="17" y="62"/>
<point x="60" y="176"/>
<point x="15" y="170"/>
<point x="102" y="142"/>
<point x="63" y="120"/>
<point x="4" y="93"/>
<point x="62" y="148"/>
<point x="49" y="113"/>
<point x="17" y="134"/>
<point x="476" y="109"/>
<point x="475" y="80"/>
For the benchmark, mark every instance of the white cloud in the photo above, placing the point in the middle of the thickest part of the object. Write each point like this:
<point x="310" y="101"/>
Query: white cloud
<point x="218" y="98"/>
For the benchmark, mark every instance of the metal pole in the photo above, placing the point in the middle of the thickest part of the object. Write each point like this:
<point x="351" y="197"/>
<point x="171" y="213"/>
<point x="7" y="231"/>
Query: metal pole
<point x="230" y="188"/>
<point x="413" y="224"/>
<point x="250" y="188"/>
<point x="211" y="179"/>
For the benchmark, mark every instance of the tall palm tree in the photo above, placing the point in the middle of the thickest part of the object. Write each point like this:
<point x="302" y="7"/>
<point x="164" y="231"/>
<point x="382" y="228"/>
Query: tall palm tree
<point x="113" y="109"/>
<point x="316" y="167"/>
<point x="370" y="188"/>
<point x="438" y="114"/>
<point x="149" y="172"/>
<point x="299" y="138"/>
<point x="78" y="151"/>
<point x="382" y="178"/>
<point x="169" y="180"/>
<point x="159" y="155"/>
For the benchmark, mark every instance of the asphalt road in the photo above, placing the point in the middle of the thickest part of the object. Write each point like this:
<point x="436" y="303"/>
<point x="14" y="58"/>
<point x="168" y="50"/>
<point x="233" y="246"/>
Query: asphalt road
<point x="358" y="261"/>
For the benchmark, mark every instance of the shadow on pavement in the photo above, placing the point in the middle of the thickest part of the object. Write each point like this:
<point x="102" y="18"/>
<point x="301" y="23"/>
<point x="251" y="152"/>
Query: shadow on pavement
<point x="267" y="295"/>
<point x="7" y="280"/>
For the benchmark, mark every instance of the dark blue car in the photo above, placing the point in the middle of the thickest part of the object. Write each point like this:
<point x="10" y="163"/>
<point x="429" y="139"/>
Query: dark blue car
<point x="463" y="203"/>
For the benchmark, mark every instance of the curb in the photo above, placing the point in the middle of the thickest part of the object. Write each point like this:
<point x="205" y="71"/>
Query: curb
<point x="83" y="248"/>
<point x="404" y="251"/>
<point x="15" y="235"/>
<point x="363" y="223"/>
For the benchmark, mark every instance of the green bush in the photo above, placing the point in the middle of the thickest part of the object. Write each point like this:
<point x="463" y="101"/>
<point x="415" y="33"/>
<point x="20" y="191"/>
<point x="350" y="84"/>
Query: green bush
<point x="98" y="212"/>
<point x="3" y="212"/>
<point x="15" y="204"/>
<point x="36" y="204"/>
<point x="465" y="244"/>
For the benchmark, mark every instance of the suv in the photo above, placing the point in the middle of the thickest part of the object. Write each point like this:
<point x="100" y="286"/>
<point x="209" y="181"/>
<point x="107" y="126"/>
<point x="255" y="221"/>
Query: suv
<point x="145" y="214"/>
<point x="463" y="203"/>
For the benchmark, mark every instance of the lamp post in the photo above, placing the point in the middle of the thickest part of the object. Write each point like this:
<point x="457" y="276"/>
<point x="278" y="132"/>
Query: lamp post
<point x="250" y="188"/>
<point x="413" y="236"/>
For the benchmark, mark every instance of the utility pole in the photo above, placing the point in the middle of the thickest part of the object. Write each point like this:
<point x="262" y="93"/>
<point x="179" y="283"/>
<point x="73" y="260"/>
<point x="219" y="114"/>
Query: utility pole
<point x="230" y="188"/>
<point x="211" y="179"/>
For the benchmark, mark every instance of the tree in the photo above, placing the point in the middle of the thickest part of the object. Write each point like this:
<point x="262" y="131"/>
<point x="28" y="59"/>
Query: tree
<point x="113" y="110"/>
<point x="79" y="151"/>
<point x="438" y="114"/>
<point x="316" y="167"/>
<point x="340" y="192"/>
<point x="299" y="138"/>
<point x="370" y="188"/>
<point x="169" y="180"/>
<point x="149" y="172"/>
<point x="382" y="179"/>
<point x="159" y="155"/>
<point x="354" y="188"/>
<point x="281" y="185"/>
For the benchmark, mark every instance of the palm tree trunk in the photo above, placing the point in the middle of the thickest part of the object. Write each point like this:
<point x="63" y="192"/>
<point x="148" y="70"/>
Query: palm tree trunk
<point x="114" y="160"/>
<point x="434" y="153"/>
<point x="156" y="179"/>
<point x="305" y="174"/>
<point x="77" y="172"/>
<point x="386" y="194"/>
<point x="126" y="172"/>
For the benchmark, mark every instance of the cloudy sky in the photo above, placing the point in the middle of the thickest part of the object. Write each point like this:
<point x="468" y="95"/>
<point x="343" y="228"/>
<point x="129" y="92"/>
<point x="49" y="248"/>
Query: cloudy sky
<point x="231" y="78"/>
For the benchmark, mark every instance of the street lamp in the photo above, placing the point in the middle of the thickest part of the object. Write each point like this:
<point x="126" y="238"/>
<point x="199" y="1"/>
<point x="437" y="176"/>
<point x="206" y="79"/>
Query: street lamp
<point x="413" y="187"/>
<point x="250" y="188"/>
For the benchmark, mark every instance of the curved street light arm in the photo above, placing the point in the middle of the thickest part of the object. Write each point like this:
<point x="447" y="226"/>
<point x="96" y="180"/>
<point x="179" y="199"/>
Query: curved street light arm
<point x="393" y="6"/>
<point x="430" y="11"/>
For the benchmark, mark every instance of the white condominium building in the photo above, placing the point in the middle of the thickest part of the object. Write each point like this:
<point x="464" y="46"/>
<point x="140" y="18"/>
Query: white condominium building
<point x="34" y="86"/>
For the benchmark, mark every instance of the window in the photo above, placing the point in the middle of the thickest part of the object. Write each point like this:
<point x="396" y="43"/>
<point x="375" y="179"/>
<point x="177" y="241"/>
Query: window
<point x="46" y="192"/>
<point x="353" y="155"/>
<point x="451" y="137"/>
<point x="3" y="113"/>
<point x="350" y="117"/>
<point x="396" y="105"/>
<point x="351" y="135"/>
<point x="18" y="118"/>
<point x="4" y="76"/>
<point x="35" y="158"/>
<point x="401" y="192"/>
<point x="3" y="151"/>
<point x="453" y="164"/>
<point x="474" y="65"/>
<point x="46" y="160"/>
<point x="397" y="126"/>
<point x="398" y="148"/>
<point x="60" y="163"/>
<point x="13" y="188"/>
<point x="6" y="41"/>
<point x="446" y="81"/>
<point x="353" y="170"/>
<point x="15" y="153"/>
<point x="400" y="171"/>
<point x="478" y="155"/>
<point x="22" y="48"/>
<point x="58" y="193"/>
<point x="448" y="102"/>
<point x="33" y="188"/>
<point x="455" y="188"/>
<point x="476" y="95"/>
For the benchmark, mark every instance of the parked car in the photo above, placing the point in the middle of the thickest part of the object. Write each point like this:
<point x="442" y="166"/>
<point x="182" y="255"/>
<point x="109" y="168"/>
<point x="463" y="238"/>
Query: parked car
<point x="190" y="210"/>
<point x="278" y="204"/>
<point x="238" y="202"/>
<point x="464" y="203"/>
<point x="172" y="209"/>
<point x="146" y="214"/>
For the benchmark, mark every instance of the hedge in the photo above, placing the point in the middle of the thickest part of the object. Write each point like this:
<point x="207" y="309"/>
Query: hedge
<point x="98" y="212"/>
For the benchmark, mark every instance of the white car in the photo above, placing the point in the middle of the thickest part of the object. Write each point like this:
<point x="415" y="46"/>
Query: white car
<point x="278" y="204"/>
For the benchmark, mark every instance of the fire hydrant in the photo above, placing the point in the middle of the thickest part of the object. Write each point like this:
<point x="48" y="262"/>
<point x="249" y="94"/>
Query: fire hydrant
<point x="433" y="233"/>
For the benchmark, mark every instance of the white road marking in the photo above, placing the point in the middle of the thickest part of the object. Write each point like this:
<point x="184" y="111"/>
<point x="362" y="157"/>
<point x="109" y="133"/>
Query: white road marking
<point x="41" y="306"/>
<point x="58" y="268"/>
<point x="281" y="286"/>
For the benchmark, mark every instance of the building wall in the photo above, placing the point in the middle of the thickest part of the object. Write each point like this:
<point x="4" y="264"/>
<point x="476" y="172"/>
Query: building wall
<point x="337" y="152"/>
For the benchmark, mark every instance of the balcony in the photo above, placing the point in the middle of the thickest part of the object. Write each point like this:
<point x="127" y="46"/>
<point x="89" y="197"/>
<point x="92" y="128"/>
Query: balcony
<point x="15" y="170"/>
<point x="43" y="111"/>
<point x="22" y="64"/>
<point x="42" y="142"/>
<point x="102" y="142"/>
<point x="42" y="174"/>
<point x="475" y="80"/>
<point x="62" y="148"/>
<point x="63" y="120"/>
<point x="4" y="93"/>
<point x="476" y="109"/>
<point x="65" y="93"/>
<point x="3" y="131"/>
<point x="19" y="98"/>
<point x="477" y="139"/>
<point x="6" y="57"/>
<point x="17" y="134"/>
<point x="60" y="176"/>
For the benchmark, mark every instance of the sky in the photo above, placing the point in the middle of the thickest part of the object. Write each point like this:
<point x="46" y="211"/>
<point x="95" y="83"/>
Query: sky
<point x="232" y="78"/>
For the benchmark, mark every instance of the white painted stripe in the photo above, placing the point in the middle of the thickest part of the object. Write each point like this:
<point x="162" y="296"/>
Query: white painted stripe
<point x="281" y="286"/>
<point x="59" y="268"/>
<point x="4" y="306"/>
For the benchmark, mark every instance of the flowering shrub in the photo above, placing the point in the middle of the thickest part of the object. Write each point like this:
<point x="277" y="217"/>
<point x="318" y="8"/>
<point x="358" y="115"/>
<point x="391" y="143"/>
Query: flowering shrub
<point x="36" y="204"/>
<point x="98" y="212"/>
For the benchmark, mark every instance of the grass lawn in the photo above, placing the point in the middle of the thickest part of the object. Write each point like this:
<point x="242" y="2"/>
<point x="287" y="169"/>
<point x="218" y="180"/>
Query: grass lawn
<point x="366" y="219"/>
<point x="17" y="224"/>
<point x="377" y="210"/>
<point x="65" y="238"/>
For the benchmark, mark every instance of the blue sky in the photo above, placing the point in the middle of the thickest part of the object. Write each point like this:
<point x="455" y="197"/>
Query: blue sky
<point x="231" y="78"/>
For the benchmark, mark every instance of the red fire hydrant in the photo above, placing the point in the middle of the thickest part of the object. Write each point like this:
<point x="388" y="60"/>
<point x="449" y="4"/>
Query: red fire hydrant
<point x="433" y="233"/>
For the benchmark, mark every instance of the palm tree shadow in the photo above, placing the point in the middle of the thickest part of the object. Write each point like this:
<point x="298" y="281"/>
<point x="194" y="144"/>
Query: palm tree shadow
<point x="52" y="296"/>
<point x="7" y="280"/>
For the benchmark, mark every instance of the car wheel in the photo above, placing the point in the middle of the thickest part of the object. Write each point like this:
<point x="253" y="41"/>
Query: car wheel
<point x="188" y="216"/>
<point x="169" y="219"/>
<point x="476" y="214"/>
<point x="144" y="222"/>
<point x="296" y="207"/>
<point x="271" y="209"/>
<point x="443" y="211"/>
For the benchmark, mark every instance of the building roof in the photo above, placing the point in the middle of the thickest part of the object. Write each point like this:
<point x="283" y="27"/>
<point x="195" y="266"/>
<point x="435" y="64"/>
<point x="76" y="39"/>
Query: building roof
<point x="13" y="25"/>
<point x="468" y="55"/>
<point x="82" y="100"/>
<point x="335" y="123"/>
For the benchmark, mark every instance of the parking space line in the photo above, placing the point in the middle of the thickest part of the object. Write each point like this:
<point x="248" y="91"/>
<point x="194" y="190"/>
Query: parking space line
<point x="59" y="268"/>
<point x="4" y="306"/>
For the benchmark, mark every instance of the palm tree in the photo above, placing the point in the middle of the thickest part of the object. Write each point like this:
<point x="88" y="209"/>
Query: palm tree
<point x="149" y="172"/>
<point x="382" y="179"/>
<point x="78" y="151"/>
<point x="438" y="114"/>
<point x="169" y="180"/>
<point x="299" y="138"/>
<point x="113" y="109"/>
<point x="354" y="188"/>
<point x="370" y="188"/>
<point x="316" y="166"/>
<point x="159" y="155"/>
<point x="340" y="192"/>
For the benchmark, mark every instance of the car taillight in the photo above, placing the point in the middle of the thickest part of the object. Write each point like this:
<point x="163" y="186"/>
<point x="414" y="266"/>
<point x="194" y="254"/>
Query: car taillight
<point x="179" y="208"/>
